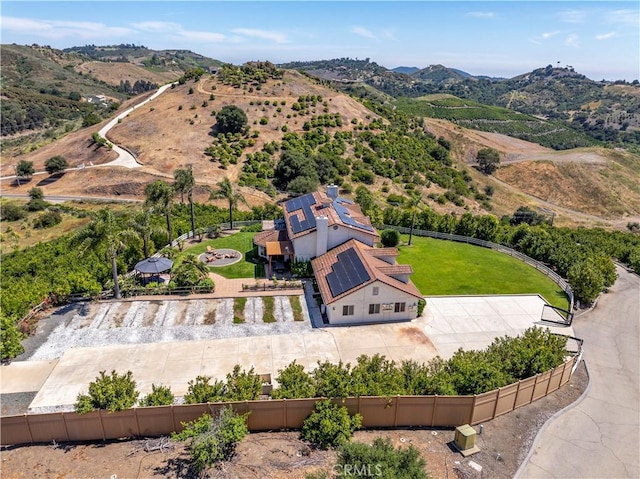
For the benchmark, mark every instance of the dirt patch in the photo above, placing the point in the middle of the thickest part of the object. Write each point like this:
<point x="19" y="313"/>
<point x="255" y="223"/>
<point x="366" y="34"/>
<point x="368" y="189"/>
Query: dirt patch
<point x="504" y="444"/>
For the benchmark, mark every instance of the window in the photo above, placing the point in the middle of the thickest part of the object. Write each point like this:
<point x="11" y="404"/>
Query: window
<point x="376" y="291"/>
<point x="400" y="307"/>
<point x="347" y="310"/>
<point x="374" y="309"/>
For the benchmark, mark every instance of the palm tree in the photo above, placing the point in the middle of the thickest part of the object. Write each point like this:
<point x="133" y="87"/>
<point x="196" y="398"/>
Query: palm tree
<point x="190" y="271"/>
<point x="141" y="224"/>
<point x="185" y="183"/>
<point x="105" y="232"/>
<point x="160" y="195"/>
<point x="225" y="190"/>
<point x="414" y="201"/>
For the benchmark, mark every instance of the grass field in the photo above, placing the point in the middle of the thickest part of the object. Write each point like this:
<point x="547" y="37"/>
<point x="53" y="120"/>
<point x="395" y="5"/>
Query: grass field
<point x="449" y="268"/>
<point x="242" y="242"/>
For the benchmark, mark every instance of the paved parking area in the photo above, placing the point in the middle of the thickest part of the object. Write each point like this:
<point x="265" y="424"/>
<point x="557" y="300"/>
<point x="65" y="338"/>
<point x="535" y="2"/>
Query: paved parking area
<point x="470" y="322"/>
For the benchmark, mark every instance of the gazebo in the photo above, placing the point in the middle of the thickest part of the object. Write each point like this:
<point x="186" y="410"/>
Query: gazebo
<point x="153" y="266"/>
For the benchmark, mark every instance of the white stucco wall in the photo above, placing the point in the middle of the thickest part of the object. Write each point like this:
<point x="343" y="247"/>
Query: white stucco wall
<point x="362" y="298"/>
<point x="305" y="246"/>
<point x="342" y="235"/>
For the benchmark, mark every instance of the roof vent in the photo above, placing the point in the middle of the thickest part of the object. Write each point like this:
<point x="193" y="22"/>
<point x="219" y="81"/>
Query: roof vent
<point x="332" y="191"/>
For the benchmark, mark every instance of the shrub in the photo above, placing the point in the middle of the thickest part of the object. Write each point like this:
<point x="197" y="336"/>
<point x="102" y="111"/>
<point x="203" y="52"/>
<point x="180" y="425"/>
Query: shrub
<point x="301" y="269"/>
<point x="12" y="212"/>
<point x="330" y="425"/>
<point x="47" y="220"/>
<point x="56" y="164"/>
<point x="380" y="459"/>
<point x="213" y="439"/>
<point x="114" y="393"/>
<point x="242" y="385"/>
<point x="159" y="396"/>
<point x="202" y="391"/>
<point x="10" y="338"/>
<point x="36" y="193"/>
<point x="421" y="305"/>
<point x="390" y="238"/>
<point x="294" y="382"/>
<point x="36" y="205"/>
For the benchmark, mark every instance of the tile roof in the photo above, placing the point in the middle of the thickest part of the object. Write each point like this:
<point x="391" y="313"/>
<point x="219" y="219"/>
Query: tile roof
<point x="323" y="206"/>
<point x="264" y="237"/>
<point x="375" y="267"/>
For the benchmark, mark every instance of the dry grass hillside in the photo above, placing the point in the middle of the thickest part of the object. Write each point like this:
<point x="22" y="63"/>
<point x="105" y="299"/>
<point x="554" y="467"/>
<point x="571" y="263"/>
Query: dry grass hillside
<point x="583" y="186"/>
<point x="113" y="73"/>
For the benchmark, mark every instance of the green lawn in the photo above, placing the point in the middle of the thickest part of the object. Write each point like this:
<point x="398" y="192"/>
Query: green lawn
<point x="242" y="242"/>
<point x="448" y="268"/>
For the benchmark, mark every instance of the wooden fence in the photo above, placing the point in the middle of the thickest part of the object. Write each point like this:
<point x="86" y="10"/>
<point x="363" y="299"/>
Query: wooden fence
<point x="277" y="414"/>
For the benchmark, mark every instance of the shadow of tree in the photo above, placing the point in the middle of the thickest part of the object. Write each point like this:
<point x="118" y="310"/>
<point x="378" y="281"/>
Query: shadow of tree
<point x="181" y="467"/>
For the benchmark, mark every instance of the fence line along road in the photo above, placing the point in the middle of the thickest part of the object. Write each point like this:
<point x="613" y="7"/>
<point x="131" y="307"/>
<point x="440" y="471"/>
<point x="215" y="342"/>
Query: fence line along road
<point x="555" y="277"/>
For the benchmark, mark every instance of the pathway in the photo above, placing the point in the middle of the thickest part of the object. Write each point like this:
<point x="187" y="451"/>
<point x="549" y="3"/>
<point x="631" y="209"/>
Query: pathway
<point x="599" y="436"/>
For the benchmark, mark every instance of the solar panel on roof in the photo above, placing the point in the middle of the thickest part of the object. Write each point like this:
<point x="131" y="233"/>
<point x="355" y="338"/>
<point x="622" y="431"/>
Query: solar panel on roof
<point x="345" y="217"/>
<point x="347" y="273"/>
<point x="305" y="204"/>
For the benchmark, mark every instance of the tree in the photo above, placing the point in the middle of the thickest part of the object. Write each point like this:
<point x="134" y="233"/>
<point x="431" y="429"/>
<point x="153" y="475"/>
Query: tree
<point x="159" y="396"/>
<point x="242" y="385"/>
<point x="231" y="119"/>
<point x="24" y="169"/>
<point x="56" y="164"/>
<point x="389" y="238"/>
<point x="586" y="279"/>
<point x="160" y="195"/>
<point x="190" y="272"/>
<point x="144" y="228"/>
<point x="380" y="459"/>
<point x="114" y="393"/>
<point x="488" y="160"/>
<point x="105" y="232"/>
<point x="185" y="183"/>
<point x="202" y="391"/>
<point x="213" y="439"/>
<point x="10" y="338"/>
<point x="412" y="205"/>
<point x="296" y="173"/>
<point x="225" y="190"/>
<point x="36" y="193"/>
<point x="330" y="425"/>
<point x="294" y="382"/>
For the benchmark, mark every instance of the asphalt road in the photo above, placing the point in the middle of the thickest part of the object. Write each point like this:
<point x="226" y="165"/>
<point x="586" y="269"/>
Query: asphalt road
<point x="599" y="436"/>
<point x="62" y="199"/>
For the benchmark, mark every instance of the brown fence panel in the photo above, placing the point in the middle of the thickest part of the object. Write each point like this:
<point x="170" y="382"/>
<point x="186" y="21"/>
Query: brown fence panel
<point x="47" y="427"/>
<point x="554" y="380"/>
<point x="266" y="415"/>
<point x="542" y="383"/>
<point x="566" y="374"/>
<point x="485" y="406"/>
<point x="14" y="430"/>
<point x="415" y="410"/>
<point x="525" y="392"/>
<point x="452" y="411"/>
<point x="84" y="427"/>
<point x="507" y="396"/>
<point x="119" y="424"/>
<point x="378" y="411"/>
<point x="154" y="421"/>
<point x="187" y="412"/>
<point x="296" y="411"/>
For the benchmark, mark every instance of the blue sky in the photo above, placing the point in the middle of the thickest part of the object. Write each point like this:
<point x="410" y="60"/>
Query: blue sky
<point x="499" y="38"/>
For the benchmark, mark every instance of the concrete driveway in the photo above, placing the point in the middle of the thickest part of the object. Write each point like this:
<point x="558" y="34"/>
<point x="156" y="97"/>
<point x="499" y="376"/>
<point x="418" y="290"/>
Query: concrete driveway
<point x="599" y="437"/>
<point x="160" y="357"/>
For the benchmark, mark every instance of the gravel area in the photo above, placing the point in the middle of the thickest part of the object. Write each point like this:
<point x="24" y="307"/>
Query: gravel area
<point x="109" y="323"/>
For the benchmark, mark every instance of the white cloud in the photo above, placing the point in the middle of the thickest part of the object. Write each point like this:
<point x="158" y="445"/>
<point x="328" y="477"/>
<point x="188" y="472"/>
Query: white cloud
<point x="572" y="16"/>
<point x="604" y="36"/>
<point x="547" y="35"/>
<point x="276" y="37"/>
<point x="363" y="32"/>
<point x="625" y="17"/>
<point x="389" y="34"/>
<point x="157" y="27"/>
<point x="56" y="29"/>
<point x="572" y="41"/>
<point x="175" y="30"/>
<point x="481" y="14"/>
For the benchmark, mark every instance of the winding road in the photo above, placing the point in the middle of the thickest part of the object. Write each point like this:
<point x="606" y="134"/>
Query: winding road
<point x="599" y="436"/>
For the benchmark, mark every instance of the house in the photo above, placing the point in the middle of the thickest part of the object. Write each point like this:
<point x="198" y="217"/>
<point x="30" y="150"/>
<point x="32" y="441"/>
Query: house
<point x="363" y="284"/>
<point x="318" y="222"/>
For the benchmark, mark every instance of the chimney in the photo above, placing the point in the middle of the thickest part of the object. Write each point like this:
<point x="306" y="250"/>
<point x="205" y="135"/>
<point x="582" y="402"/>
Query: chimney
<point x="332" y="191"/>
<point x="322" y="235"/>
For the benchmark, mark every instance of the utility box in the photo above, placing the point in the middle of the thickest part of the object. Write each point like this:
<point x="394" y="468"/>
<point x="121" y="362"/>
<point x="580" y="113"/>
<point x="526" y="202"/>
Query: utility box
<point x="465" y="440"/>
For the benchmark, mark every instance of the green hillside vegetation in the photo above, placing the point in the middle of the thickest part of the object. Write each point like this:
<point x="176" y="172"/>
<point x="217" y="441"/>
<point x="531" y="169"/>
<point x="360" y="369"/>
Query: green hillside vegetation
<point x="495" y="119"/>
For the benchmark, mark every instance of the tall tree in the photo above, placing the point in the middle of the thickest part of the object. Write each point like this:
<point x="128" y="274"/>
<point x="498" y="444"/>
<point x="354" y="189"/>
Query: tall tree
<point x="24" y="169"/>
<point x="413" y="204"/>
<point x="225" y="190"/>
<point x="185" y="183"/>
<point x="488" y="160"/>
<point x="160" y="195"/>
<point x="56" y="164"/>
<point x="104" y="232"/>
<point x="144" y="228"/>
